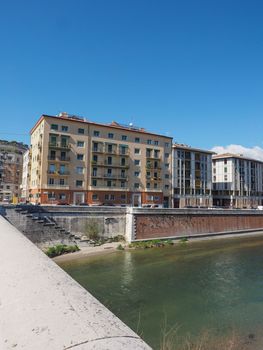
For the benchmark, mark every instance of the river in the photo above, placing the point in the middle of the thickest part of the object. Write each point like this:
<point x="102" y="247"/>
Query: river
<point x="214" y="285"/>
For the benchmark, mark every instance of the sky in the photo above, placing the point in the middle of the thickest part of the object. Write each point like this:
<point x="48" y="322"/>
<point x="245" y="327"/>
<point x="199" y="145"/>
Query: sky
<point x="188" y="69"/>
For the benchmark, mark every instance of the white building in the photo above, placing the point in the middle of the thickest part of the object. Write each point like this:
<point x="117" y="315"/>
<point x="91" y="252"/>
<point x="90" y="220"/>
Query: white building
<point x="26" y="176"/>
<point x="192" y="177"/>
<point x="237" y="181"/>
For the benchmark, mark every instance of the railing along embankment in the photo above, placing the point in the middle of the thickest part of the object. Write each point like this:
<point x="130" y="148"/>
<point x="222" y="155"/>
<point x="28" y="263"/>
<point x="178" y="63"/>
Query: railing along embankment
<point x="42" y="307"/>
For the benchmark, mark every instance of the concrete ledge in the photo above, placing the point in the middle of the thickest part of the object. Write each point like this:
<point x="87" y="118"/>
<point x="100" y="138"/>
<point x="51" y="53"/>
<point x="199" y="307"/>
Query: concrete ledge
<point x="42" y="307"/>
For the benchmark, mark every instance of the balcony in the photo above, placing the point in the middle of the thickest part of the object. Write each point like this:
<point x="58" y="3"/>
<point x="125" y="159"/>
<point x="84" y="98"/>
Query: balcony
<point x="59" y="145"/>
<point x="56" y="187"/>
<point x="58" y="172"/>
<point x="59" y="159"/>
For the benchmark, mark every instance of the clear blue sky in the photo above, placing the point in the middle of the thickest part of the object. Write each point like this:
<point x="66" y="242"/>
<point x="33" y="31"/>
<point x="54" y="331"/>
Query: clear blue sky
<point x="189" y="68"/>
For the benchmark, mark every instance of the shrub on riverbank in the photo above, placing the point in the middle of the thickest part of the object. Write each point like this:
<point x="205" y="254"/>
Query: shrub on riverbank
<point x="60" y="249"/>
<point x="151" y="244"/>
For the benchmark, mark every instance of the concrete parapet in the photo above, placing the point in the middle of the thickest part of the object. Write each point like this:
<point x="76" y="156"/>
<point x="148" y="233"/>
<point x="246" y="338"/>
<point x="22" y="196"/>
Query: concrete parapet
<point x="42" y="307"/>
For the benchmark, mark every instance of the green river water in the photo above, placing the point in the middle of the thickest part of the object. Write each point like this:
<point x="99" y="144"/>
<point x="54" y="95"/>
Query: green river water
<point x="215" y="285"/>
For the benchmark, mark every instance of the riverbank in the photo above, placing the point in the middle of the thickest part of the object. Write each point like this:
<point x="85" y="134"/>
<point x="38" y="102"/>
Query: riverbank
<point x="109" y="248"/>
<point x="106" y="248"/>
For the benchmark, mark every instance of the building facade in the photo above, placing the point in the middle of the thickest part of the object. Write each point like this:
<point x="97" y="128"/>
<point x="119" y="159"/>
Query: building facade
<point x="192" y="177"/>
<point x="76" y="161"/>
<point x="237" y="181"/>
<point x="11" y="162"/>
<point x="26" y="176"/>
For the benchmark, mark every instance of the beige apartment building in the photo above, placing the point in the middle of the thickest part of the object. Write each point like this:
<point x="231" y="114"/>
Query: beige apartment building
<point x="237" y="181"/>
<point x="192" y="177"/>
<point x="77" y="161"/>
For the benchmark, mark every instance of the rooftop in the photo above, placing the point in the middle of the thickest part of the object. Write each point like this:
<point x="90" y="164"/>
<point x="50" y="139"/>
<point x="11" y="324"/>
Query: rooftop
<point x="189" y="148"/>
<point x="113" y="124"/>
<point x="237" y="156"/>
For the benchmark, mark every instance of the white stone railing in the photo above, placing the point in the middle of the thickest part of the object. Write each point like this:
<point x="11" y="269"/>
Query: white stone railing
<point x="42" y="307"/>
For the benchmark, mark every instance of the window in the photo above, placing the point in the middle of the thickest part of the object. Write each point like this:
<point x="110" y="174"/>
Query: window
<point x="94" y="197"/>
<point x="123" y="161"/>
<point x="109" y="160"/>
<point x="123" y="196"/>
<point x="137" y="139"/>
<point x="123" y="150"/>
<point x="225" y="169"/>
<point x="110" y="197"/>
<point x="156" y="143"/>
<point x="149" y="142"/>
<point x="51" y="195"/>
<point x="225" y="161"/>
<point x="166" y="155"/>
<point x="136" y="185"/>
<point x="52" y="168"/>
<point x="166" y="187"/>
<point x="166" y="176"/>
<point x="110" y="135"/>
<point x="137" y="162"/>
<point x="122" y="184"/>
<point x="137" y="151"/>
<point x="62" y="182"/>
<point x="94" y="183"/>
<point x="96" y="133"/>
<point x="62" y="169"/>
<point x="80" y="131"/>
<point x="136" y="173"/>
<point x="167" y="144"/>
<point x="79" y="183"/>
<point x="214" y="178"/>
<point x="225" y="177"/>
<point x="167" y="165"/>
<point x="64" y="128"/>
<point x="95" y="158"/>
<point x="148" y="185"/>
<point x="80" y="143"/>
<point x="54" y="127"/>
<point x="155" y="185"/>
<point x="124" y="137"/>
<point x="109" y="183"/>
<point x="51" y="181"/>
<point x="80" y="156"/>
<point x="62" y="196"/>
<point x="214" y="170"/>
<point x="79" y="170"/>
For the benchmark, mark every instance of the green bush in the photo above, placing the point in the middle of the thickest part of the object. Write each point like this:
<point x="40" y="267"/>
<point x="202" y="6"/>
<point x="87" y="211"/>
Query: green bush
<point x="120" y="247"/>
<point x="92" y="229"/>
<point x="60" y="249"/>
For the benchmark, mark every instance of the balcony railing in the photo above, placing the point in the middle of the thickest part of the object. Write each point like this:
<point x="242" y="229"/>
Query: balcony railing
<point x="59" y="159"/>
<point x="56" y="187"/>
<point x="65" y="146"/>
<point x="58" y="172"/>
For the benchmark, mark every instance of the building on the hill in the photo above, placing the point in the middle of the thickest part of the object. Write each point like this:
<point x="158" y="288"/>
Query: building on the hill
<point x="11" y="166"/>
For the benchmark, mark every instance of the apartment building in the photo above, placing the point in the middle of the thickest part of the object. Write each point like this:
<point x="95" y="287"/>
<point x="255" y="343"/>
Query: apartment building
<point x="11" y="160"/>
<point x="26" y="176"/>
<point x="78" y="161"/>
<point x="192" y="177"/>
<point x="237" y="181"/>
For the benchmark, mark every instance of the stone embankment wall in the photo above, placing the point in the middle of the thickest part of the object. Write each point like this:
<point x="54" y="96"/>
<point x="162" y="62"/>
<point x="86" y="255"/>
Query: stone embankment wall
<point x="42" y="307"/>
<point x="47" y="226"/>
<point x="70" y="223"/>
<point x="157" y="223"/>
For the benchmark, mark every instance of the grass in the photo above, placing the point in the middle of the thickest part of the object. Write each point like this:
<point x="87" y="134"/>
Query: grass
<point x="151" y="244"/>
<point x="205" y="341"/>
<point x="61" y="249"/>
